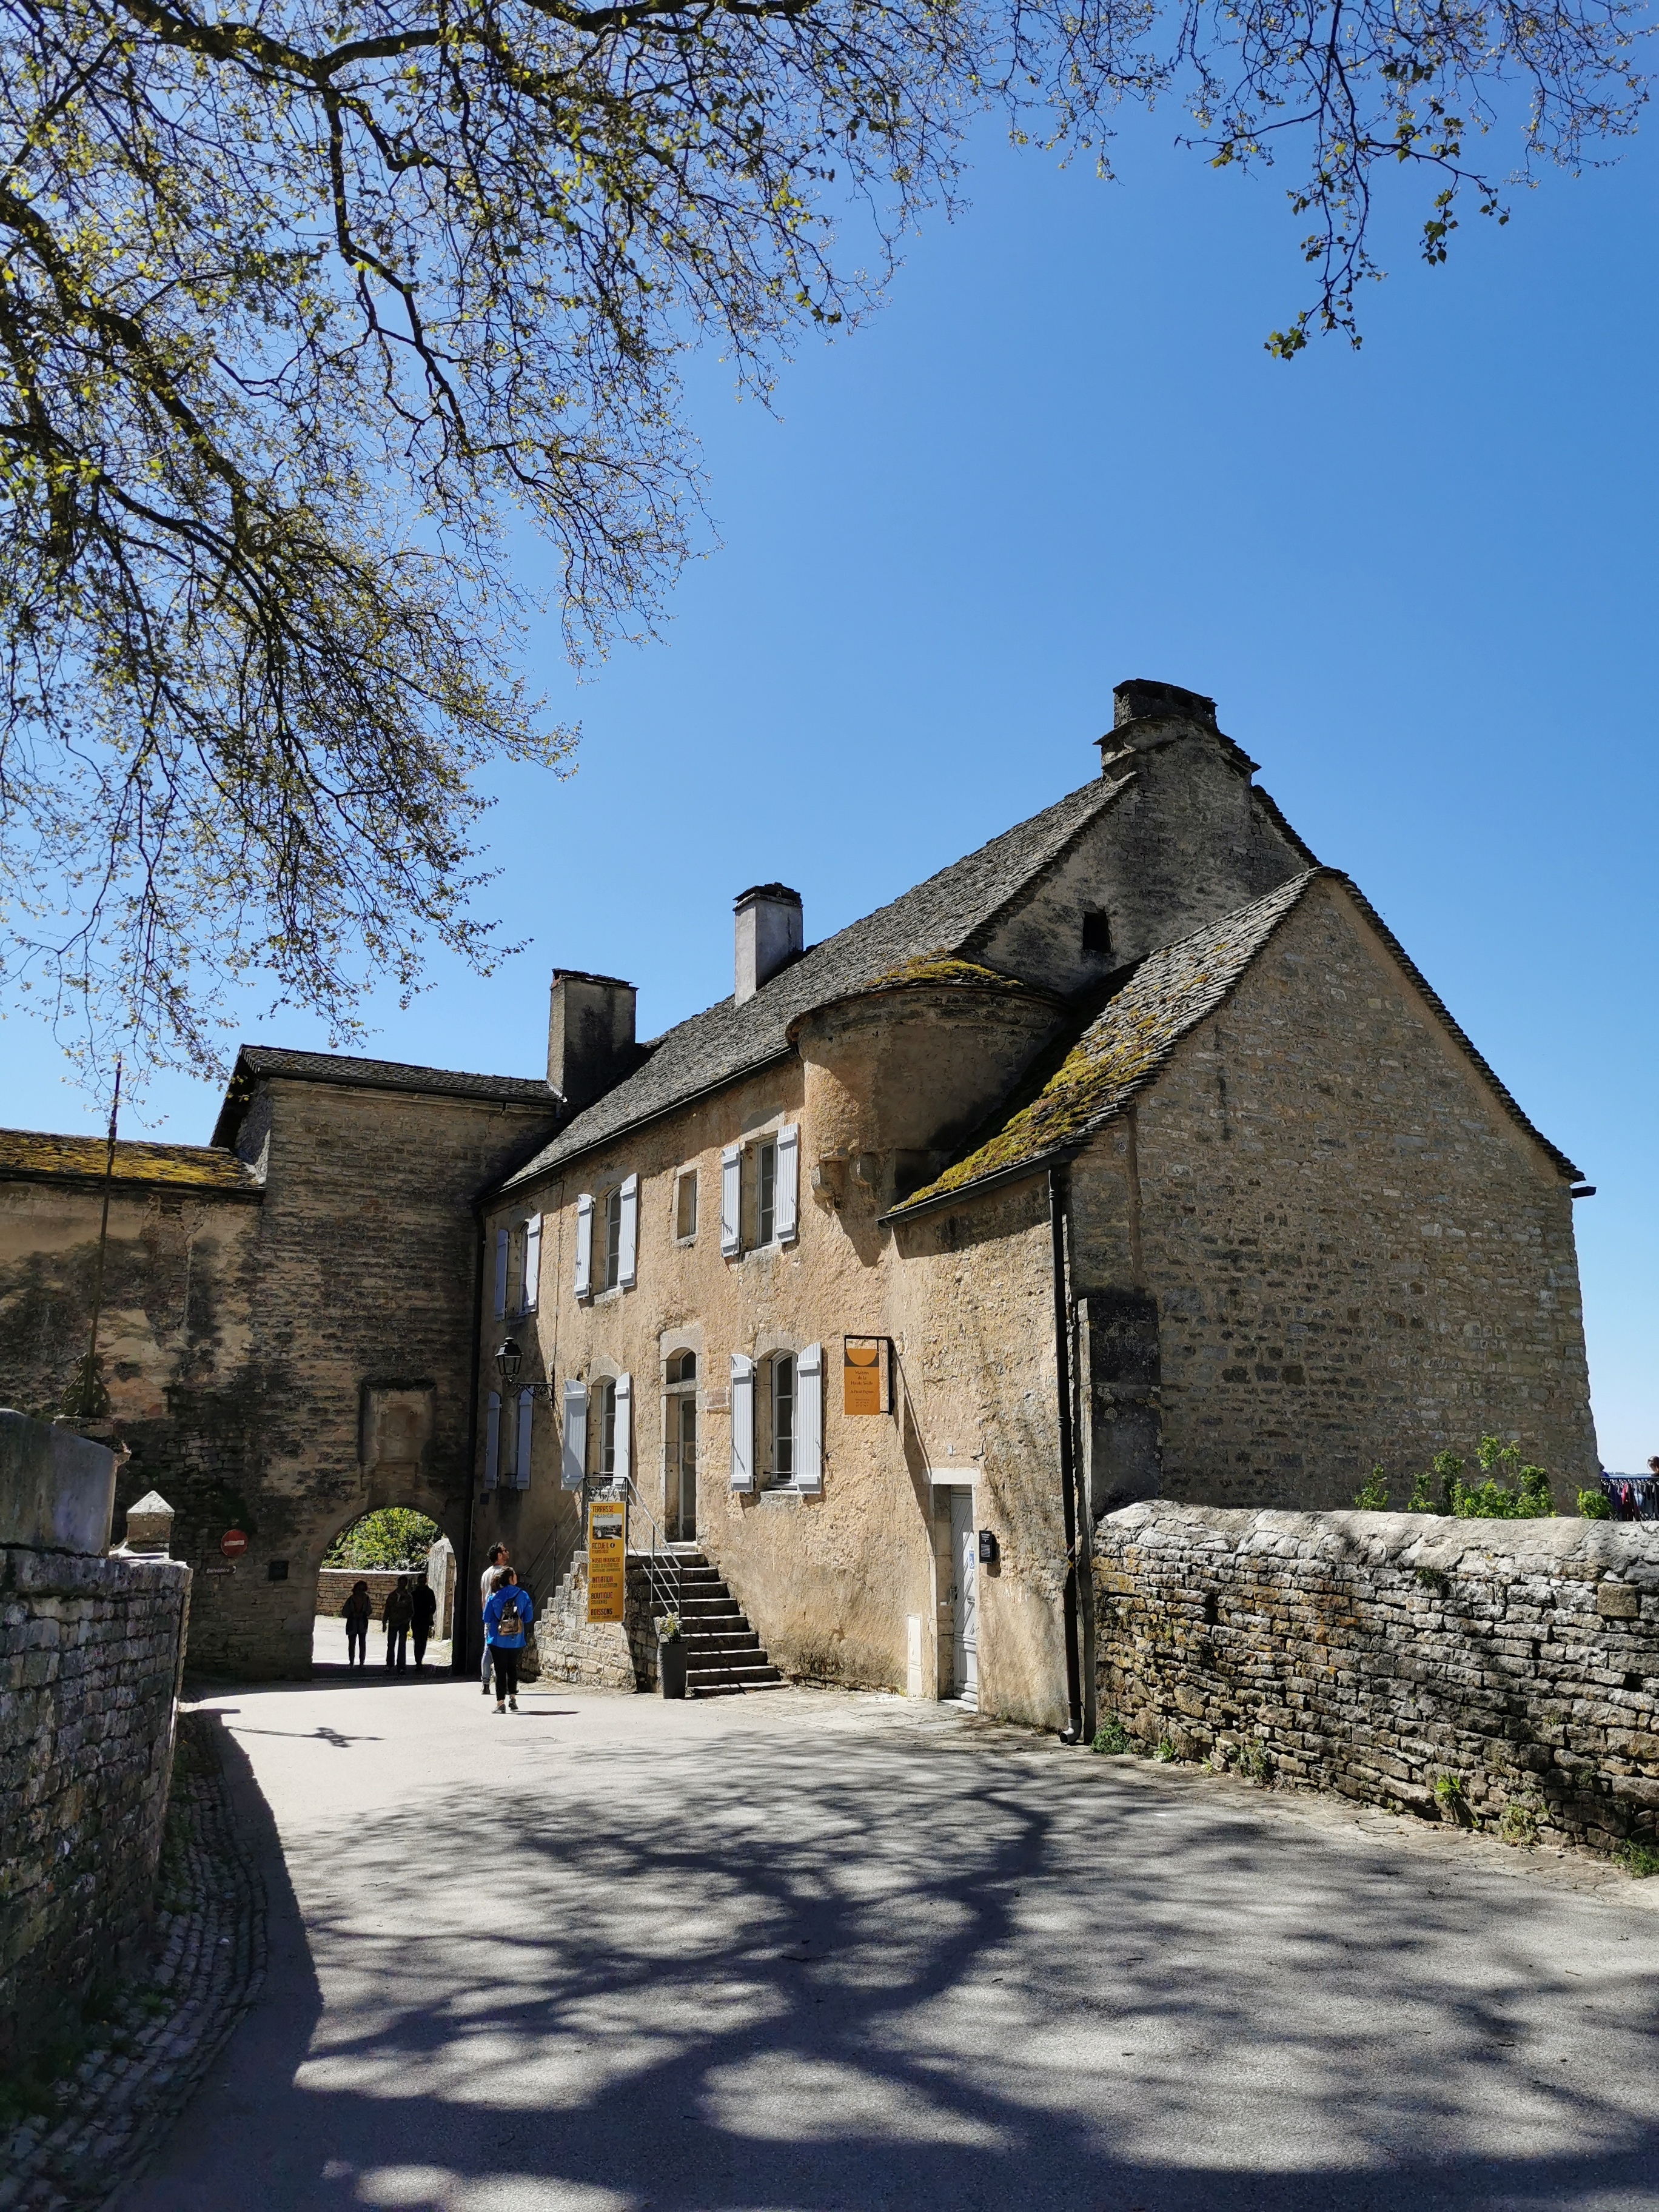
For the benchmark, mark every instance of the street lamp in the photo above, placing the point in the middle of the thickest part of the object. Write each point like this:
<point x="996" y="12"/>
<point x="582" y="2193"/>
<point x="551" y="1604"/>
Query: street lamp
<point x="508" y="1360"/>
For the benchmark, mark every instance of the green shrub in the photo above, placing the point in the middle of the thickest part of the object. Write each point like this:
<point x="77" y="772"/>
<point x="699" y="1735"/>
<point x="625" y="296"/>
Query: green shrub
<point x="1449" y="1793"/>
<point x="1420" y="1501"/>
<point x="1519" y="1825"/>
<point x="1595" y="1504"/>
<point x="1252" y="1760"/>
<point x="395" y="1536"/>
<point x="1112" y="1737"/>
<point x="1637" y="1859"/>
<point x="1374" y="1497"/>
<point x="1166" y="1751"/>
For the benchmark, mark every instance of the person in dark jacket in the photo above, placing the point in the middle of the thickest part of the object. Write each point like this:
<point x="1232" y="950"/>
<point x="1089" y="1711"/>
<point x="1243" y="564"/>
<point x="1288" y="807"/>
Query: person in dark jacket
<point x="423" y="1599"/>
<point x="398" y="1613"/>
<point x="358" y="1613"/>
<point x="506" y="1622"/>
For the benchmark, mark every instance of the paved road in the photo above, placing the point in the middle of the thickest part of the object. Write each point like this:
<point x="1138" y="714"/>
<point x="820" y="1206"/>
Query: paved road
<point x="816" y="1951"/>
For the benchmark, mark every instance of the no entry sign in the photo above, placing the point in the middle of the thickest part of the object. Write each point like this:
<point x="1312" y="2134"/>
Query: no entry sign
<point x="232" y="1543"/>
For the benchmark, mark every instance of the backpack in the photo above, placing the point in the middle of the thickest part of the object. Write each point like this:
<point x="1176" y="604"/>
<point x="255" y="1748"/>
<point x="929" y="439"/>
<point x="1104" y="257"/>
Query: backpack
<point x="509" y="1622"/>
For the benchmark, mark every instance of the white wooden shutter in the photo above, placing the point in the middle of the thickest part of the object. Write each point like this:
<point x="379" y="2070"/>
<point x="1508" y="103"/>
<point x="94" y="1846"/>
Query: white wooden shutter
<point x="573" y="1463"/>
<point x="809" y="1419"/>
<point x="501" y="1274"/>
<point x="627" y="1242"/>
<point x="584" y="1244"/>
<point x="492" y="1440"/>
<point x="526" y="1423"/>
<point x="743" y="1422"/>
<point x="624" y="1455"/>
<point x="532" y="1264"/>
<point x="785" y="1205"/>
<point x="730" y="1199"/>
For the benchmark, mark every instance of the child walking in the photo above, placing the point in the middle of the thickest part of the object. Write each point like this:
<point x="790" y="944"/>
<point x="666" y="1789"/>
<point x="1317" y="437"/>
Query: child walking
<point x="506" y="1618"/>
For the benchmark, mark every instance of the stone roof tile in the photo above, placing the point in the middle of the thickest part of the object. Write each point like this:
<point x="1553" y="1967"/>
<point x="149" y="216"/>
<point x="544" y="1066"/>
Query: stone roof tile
<point x="30" y="1156"/>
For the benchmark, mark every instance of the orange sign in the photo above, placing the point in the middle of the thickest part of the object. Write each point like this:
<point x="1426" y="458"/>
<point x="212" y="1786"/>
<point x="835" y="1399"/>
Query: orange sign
<point x="607" y="1559"/>
<point x="860" y="1374"/>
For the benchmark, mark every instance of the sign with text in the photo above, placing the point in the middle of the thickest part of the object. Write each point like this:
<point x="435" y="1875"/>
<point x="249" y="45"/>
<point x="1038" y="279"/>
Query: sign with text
<point x="607" y="1559"/>
<point x="232" y="1543"/>
<point x="864" y="1375"/>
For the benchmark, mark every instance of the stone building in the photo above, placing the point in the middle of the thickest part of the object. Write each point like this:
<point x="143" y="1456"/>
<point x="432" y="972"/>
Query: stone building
<point x="1129" y="1156"/>
<point x="1132" y="1149"/>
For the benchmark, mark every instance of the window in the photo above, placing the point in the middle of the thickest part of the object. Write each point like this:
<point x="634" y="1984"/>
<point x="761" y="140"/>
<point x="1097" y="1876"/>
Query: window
<point x="783" y="1417"/>
<point x="766" y="1190"/>
<point x="1097" y="933"/>
<point x="604" y="1400"/>
<point x="613" y="1225"/>
<point x="685" y="1207"/>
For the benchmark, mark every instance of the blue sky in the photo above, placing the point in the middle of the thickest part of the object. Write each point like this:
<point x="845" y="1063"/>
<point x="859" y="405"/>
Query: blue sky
<point x="1418" y="579"/>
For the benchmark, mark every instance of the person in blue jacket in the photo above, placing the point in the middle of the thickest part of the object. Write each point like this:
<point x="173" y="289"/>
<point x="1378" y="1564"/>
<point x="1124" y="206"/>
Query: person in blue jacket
<point x="506" y="1622"/>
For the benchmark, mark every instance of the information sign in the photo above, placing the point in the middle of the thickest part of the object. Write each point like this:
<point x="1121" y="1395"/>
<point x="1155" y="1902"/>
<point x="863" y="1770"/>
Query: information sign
<point x="607" y="1559"/>
<point x="863" y="1377"/>
<point x="232" y="1543"/>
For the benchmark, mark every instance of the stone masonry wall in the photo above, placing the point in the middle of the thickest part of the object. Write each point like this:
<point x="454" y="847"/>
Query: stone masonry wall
<point x="91" y="1650"/>
<point x="1375" y="1653"/>
<point x="607" y="1654"/>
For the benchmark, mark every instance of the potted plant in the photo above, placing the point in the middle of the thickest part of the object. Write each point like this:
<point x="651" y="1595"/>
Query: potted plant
<point x="672" y="1656"/>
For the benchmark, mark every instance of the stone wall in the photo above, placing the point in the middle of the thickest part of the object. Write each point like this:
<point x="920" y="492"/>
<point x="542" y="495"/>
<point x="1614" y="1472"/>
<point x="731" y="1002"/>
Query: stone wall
<point x="607" y="1654"/>
<point x="1375" y="1653"/>
<point x="92" y="1651"/>
<point x="335" y="1585"/>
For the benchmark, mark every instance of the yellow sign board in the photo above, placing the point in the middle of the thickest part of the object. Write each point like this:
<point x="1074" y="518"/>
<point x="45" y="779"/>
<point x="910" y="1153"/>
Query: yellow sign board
<point x="607" y="1559"/>
<point x="861" y="1375"/>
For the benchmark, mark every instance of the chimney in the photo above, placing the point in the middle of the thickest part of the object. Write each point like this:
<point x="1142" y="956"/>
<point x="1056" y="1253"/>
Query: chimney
<point x="769" y="935"/>
<point x="590" y="1036"/>
<point x="1147" y="716"/>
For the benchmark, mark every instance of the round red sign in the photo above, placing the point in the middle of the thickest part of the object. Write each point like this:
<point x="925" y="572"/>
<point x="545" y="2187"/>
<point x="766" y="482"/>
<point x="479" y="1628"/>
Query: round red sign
<point x="232" y="1543"/>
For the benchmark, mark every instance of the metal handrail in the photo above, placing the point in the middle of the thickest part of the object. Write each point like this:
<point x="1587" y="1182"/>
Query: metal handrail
<point x="724" y="1665"/>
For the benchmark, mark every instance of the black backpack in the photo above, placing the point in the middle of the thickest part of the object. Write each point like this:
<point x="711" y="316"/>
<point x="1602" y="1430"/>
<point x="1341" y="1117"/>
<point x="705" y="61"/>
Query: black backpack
<point x="510" y="1620"/>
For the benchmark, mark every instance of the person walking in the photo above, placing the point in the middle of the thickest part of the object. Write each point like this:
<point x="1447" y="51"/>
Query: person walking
<point x="488" y="1582"/>
<point x="423" y="1600"/>
<point x="358" y="1613"/>
<point x="398" y="1613"/>
<point x="507" y="1621"/>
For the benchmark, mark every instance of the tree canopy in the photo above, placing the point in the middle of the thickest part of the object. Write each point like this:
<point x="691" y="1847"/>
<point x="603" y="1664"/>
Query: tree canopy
<point x="305" y="304"/>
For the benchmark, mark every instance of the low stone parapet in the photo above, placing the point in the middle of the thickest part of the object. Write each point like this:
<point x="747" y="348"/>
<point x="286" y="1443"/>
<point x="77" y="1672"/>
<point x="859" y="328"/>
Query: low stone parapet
<point x="605" y="1655"/>
<point x="1504" y="1672"/>
<point x="91" y="1650"/>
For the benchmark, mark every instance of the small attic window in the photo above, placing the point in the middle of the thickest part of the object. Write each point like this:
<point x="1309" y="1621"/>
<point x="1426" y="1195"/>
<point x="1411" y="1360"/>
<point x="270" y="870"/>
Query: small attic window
<point x="1097" y="933"/>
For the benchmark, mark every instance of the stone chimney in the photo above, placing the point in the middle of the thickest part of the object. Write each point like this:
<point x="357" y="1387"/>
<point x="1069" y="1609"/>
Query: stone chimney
<point x="769" y="935"/>
<point x="149" y="1525"/>
<point x="1147" y="716"/>
<point x="590" y="1036"/>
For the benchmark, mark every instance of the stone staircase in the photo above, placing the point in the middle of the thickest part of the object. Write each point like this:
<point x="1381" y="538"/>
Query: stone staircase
<point x="724" y="1654"/>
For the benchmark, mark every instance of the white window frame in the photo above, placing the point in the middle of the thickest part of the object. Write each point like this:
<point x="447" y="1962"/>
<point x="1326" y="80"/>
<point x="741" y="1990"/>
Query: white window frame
<point x="765" y="1152"/>
<point x="611" y="1268"/>
<point x="685" y="1180"/>
<point x="781" y="1478"/>
<point x="603" y="1390"/>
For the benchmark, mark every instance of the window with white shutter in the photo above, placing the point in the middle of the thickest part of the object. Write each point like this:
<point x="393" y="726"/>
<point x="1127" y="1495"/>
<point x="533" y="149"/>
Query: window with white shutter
<point x="492" y="1440"/>
<point x="732" y="1200"/>
<point x="622" y="1459"/>
<point x="743" y="1422"/>
<point x="628" y="1242"/>
<point x="787" y="1205"/>
<point x="809" y="1420"/>
<point x="572" y="1459"/>
<point x="584" y="1244"/>
<point x="531" y="1289"/>
<point x="501" y="1274"/>
<point x="526" y="1420"/>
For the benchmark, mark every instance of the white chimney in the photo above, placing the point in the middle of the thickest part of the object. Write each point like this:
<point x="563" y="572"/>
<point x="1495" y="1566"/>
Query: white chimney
<point x="769" y="935"/>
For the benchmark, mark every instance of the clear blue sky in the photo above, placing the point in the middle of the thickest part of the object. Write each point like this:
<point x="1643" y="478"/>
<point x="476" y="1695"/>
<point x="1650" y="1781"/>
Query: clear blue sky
<point x="1418" y="579"/>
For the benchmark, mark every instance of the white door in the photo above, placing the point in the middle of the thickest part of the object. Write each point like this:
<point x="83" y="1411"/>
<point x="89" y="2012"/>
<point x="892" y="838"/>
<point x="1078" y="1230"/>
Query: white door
<point x="964" y="1561"/>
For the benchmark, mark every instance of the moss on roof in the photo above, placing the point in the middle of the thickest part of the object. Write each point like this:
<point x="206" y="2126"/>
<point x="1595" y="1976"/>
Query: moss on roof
<point x="1122" y="1049"/>
<point x="31" y="1155"/>
<point x="942" y="967"/>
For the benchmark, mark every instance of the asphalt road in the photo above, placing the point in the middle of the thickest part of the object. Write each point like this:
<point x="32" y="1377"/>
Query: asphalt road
<point x="808" y="1950"/>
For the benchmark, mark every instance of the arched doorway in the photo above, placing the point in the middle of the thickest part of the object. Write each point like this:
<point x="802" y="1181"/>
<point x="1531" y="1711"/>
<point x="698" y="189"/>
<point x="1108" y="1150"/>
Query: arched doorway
<point x="388" y="1575"/>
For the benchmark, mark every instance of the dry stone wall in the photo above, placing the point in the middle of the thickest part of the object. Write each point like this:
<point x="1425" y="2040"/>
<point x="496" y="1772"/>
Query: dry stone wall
<point x="92" y="1651"/>
<point x="1377" y="1653"/>
<point x="605" y="1655"/>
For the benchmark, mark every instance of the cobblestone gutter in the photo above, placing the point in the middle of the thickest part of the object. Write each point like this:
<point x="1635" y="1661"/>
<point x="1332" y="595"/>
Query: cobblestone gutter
<point x="1498" y="1673"/>
<point x="128" y="2074"/>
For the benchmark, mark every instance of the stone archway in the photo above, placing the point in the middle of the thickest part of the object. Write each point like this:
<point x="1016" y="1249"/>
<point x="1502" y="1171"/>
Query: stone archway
<point x="425" y="1554"/>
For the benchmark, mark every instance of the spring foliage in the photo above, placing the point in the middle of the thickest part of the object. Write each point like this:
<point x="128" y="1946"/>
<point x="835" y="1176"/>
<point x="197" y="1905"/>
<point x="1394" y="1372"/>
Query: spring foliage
<point x="302" y="307"/>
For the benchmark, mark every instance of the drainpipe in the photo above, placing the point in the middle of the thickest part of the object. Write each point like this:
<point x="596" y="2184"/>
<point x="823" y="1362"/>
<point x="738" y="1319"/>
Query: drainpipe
<point x="1057" y="1192"/>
